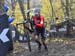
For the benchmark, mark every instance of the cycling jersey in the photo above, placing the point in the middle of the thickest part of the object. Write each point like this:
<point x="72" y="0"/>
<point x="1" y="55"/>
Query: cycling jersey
<point x="38" y="21"/>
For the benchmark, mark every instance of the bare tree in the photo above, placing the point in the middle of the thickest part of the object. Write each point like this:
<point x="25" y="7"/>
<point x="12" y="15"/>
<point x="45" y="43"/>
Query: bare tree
<point x="13" y="4"/>
<point x="25" y="25"/>
<point x="1" y="6"/>
<point x="53" y="13"/>
<point x="63" y="7"/>
<point x="69" y="27"/>
<point x="22" y="8"/>
<point x="67" y="8"/>
<point x="28" y="7"/>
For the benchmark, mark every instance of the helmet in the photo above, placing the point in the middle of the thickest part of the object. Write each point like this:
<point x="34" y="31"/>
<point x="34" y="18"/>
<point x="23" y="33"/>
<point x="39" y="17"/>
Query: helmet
<point x="37" y="11"/>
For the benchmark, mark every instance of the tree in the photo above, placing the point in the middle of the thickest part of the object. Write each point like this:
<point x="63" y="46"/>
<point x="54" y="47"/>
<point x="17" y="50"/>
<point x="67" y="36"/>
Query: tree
<point x="22" y="8"/>
<point x="25" y="25"/>
<point x="13" y="5"/>
<point x="1" y="6"/>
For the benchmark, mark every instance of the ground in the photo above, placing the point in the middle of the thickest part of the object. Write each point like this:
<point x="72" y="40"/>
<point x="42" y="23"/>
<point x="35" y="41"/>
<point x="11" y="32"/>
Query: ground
<point x="56" y="47"/>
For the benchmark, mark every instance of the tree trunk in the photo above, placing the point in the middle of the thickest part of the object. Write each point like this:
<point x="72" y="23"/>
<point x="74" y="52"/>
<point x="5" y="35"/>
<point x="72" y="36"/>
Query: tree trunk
<point x="1" y="6"/>
<point x="28" y="7"/>
<point x="25" y="25"/>
<point x="13" y="4"/>
<point x="68" y="22"/>
<point x="22" y="8"/>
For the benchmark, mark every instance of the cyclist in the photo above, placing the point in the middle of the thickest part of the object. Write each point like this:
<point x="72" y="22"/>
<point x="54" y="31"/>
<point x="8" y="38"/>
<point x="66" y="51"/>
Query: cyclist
<point x="38" y="21"/>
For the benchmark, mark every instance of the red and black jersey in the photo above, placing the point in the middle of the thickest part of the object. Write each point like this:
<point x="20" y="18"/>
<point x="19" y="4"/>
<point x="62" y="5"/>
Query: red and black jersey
<point x="38" y="21"/>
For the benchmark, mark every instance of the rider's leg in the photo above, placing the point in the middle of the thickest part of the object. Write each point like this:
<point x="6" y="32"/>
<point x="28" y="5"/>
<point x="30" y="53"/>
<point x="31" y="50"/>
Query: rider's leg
<point x="45" y="46"/>
<point x="43" y="38"/>
<point x="38" y="42"/>
<point x="36" y="38"/>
